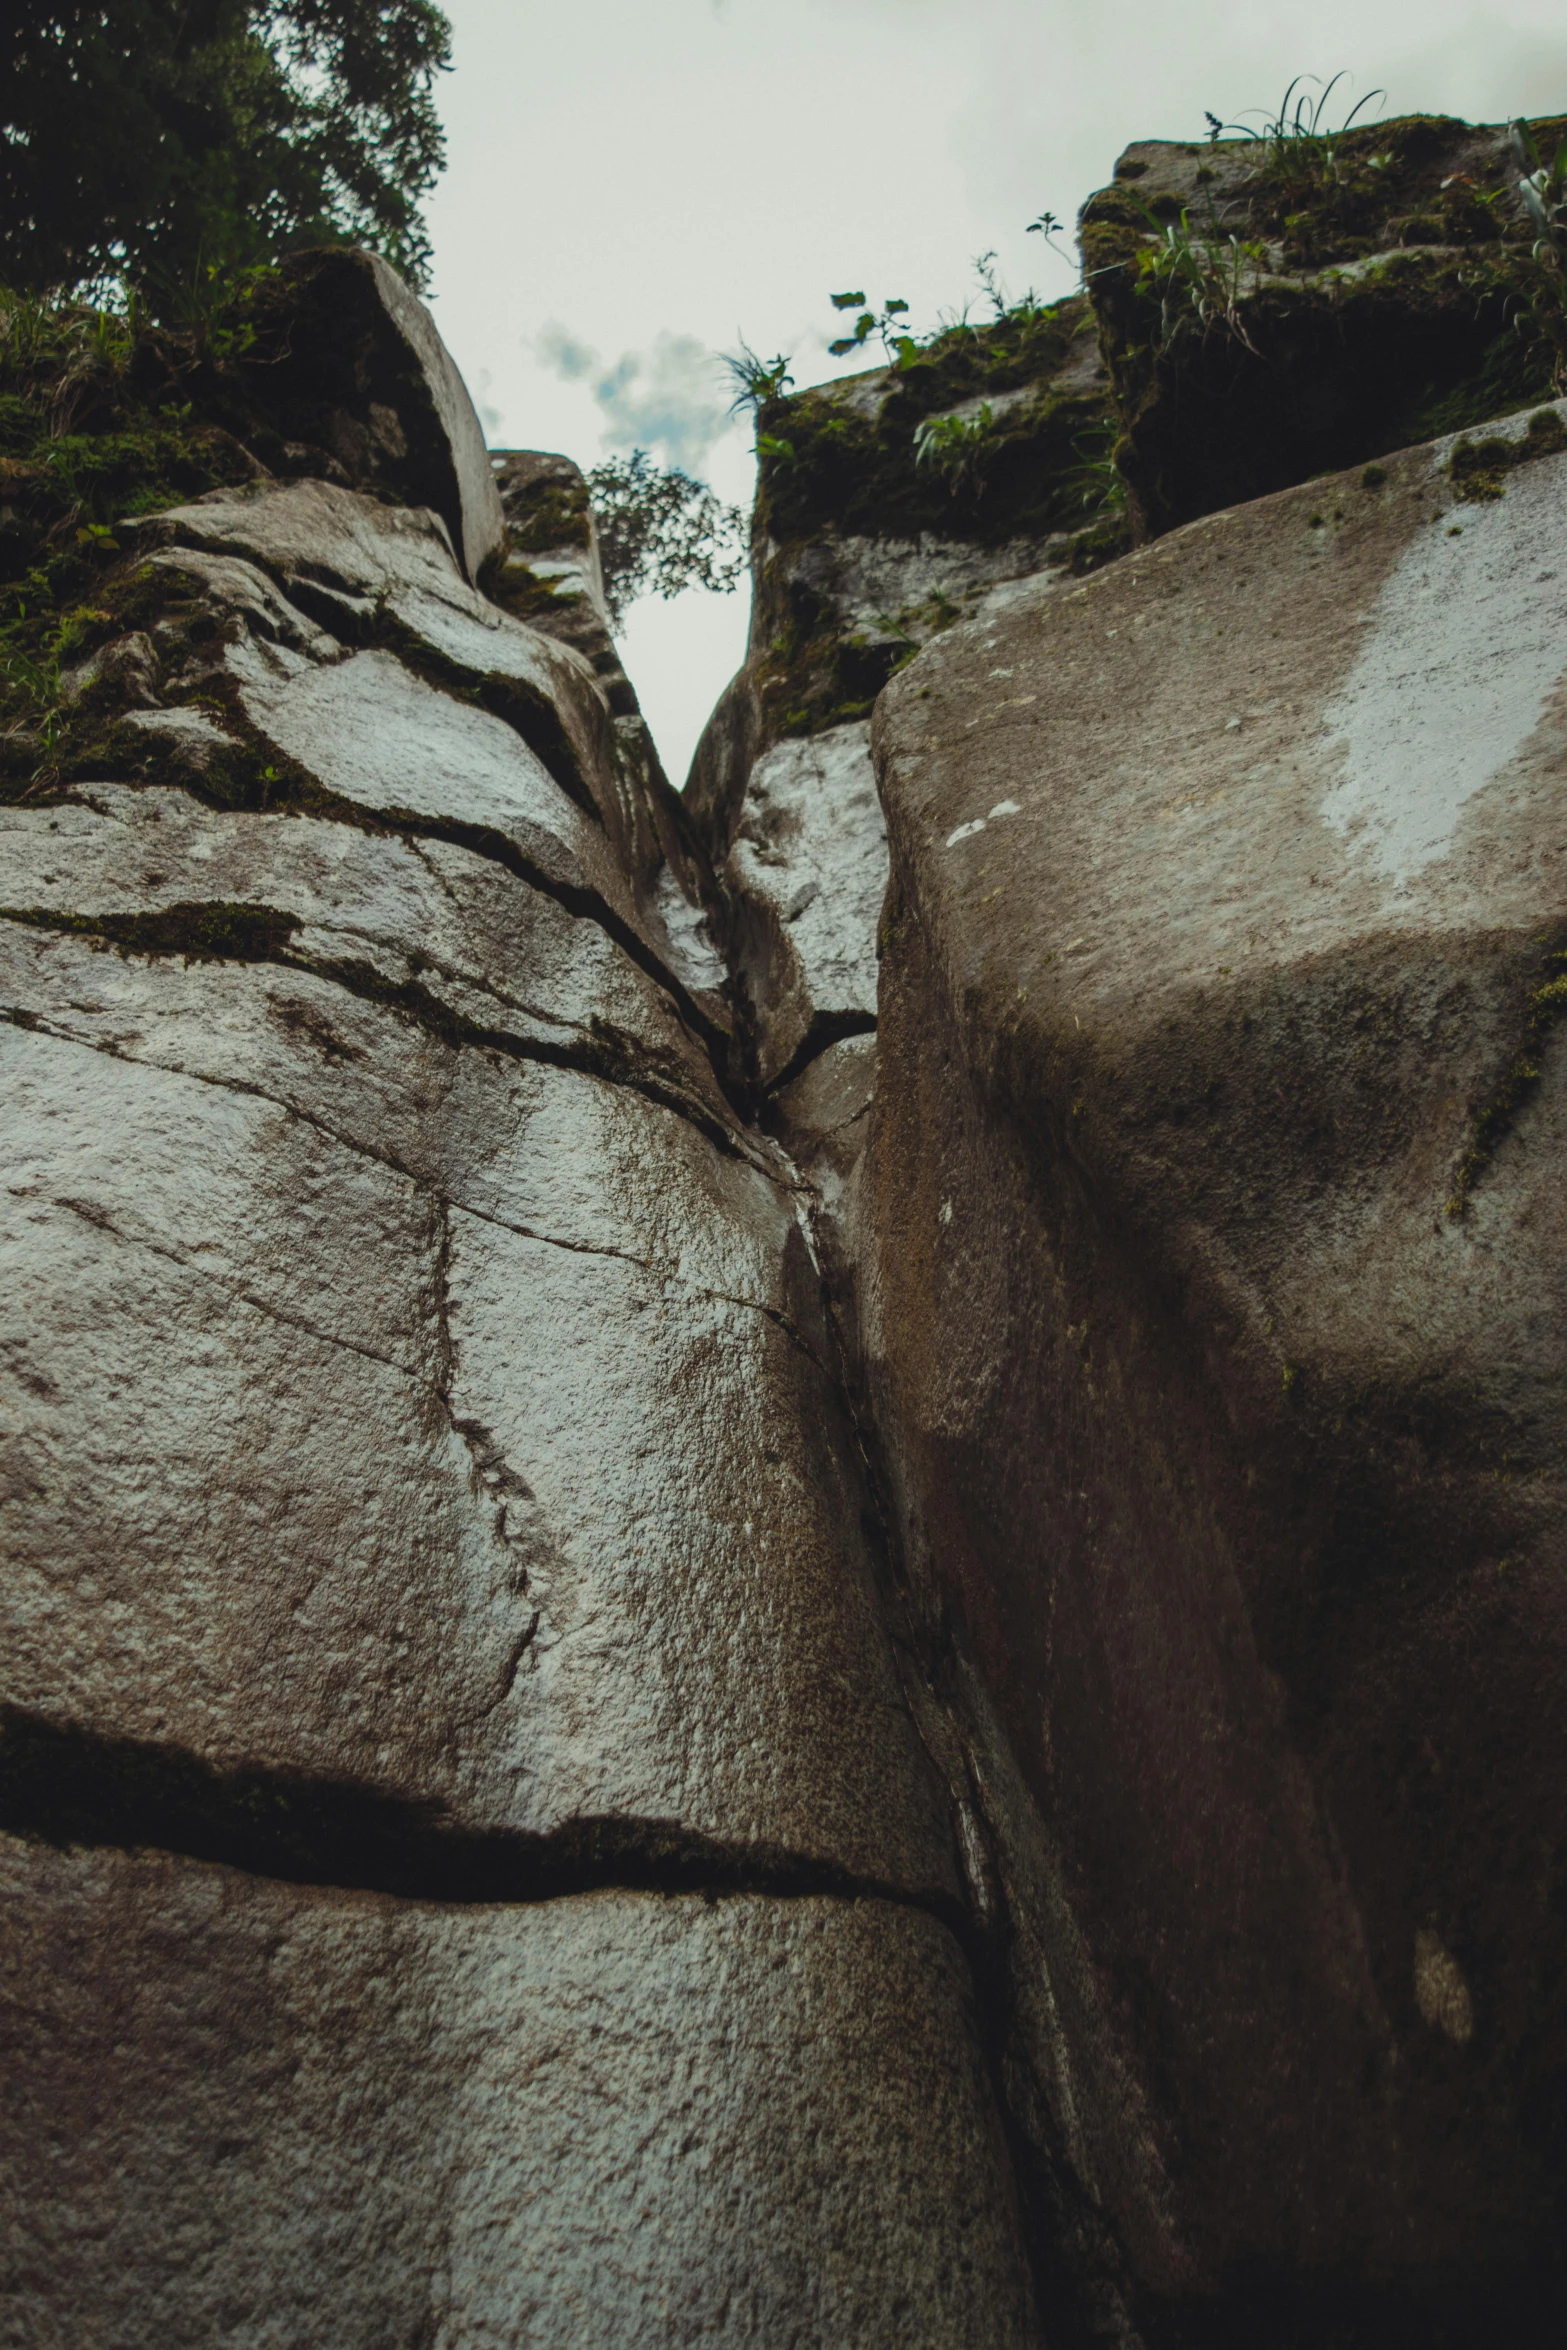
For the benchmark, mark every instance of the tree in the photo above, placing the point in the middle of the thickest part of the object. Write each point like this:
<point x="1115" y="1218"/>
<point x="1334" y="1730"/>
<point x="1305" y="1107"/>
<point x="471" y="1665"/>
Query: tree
<point x="153" y="138"/>
<point x="661" y="532"/>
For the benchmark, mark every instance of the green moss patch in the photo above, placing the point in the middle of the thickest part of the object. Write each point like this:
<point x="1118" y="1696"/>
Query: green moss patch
<point x="826" y="463"/>
<point x="206" y="931"/>
<point x="1478" y="470"/>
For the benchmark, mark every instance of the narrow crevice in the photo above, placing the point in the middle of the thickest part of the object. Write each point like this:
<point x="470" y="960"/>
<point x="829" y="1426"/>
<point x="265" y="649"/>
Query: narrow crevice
<point x="329" y="603"/>
<point x="99" y="1218"/>
<point x="826" y="1030"/>
<point x="586" y="904"/>
<point x="226" y="931"/>
<point x="68" y="1786"/>
<point x="258" y="778"/>
<point x="1075" y="2262"/>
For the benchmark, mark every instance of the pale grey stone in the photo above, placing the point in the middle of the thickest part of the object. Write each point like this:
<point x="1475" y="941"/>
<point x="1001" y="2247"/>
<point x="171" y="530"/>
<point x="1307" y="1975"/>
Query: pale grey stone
<point x="275" y="2114"/>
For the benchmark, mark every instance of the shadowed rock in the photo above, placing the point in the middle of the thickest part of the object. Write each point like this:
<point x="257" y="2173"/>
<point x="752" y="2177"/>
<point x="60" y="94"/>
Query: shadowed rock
<point x="1211" y="1314"/>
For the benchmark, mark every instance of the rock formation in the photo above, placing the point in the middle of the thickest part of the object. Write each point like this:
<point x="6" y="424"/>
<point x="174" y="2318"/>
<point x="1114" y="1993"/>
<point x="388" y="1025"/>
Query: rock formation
<point x="784" y="1564"/>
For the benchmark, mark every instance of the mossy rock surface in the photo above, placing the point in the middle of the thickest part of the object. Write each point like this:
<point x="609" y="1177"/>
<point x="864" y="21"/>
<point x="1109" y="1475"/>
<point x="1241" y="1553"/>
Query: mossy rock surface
<point x="301" y="371"/>
<point x="844" y="455"/>
<point x="864" y="553"/>
<point x="1333" y="300"/>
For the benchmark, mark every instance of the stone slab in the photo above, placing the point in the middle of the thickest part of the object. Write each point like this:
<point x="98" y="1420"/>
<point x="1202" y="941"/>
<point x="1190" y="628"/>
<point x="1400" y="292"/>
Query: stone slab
<point x="270" y="2113"/>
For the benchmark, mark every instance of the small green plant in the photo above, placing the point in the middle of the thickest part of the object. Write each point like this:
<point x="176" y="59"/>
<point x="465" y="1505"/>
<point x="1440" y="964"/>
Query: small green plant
<point x="956" y="447"/>
<point x="1200" y="275"/>
<point x="1048" y="227"/>
<point x="899" y="346"/>
<point x="1096" y="475"/>
<point x="1297" y="131"/>
<point x="990" y="283"/>
<point x="757" y="381"/>
<point x="36" y="702"/>
<point x="213" y="302"/>
<point x="1539" y="278"/>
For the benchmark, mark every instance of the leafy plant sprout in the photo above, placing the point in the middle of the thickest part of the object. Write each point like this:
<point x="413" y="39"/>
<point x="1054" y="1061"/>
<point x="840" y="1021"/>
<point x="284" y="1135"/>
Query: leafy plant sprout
<point x="1540" y="281"/>
<point x="956" y="446"/>
<point x="757" y="382"/>
<point x="898" y="344"/>
<point x="1544" y="192"/>
<point x="1048" y="227"/>
<point x="1096" y="472"/>
<point x="995" y="291"/>
<point x="1200" y="275"/>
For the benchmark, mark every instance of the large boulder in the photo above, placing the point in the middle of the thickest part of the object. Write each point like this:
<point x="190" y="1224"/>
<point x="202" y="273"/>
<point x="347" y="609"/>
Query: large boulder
<point x="472" y="1870"/>
<point x="408" y="1214"/>
<point x="349" y="363"/>
<point x="1211" y="1315"/>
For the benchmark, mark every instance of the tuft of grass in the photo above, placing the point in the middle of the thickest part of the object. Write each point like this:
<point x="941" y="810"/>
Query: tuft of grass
<point x="1478" y="470"/>
<point x="1200" y="275"/>
<point x="956" y="447"/>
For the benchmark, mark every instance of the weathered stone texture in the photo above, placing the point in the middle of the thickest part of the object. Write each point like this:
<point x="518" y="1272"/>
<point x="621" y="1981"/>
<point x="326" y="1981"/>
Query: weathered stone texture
<point x="861" y="556"/>
<point x="269" y="2113"/>
<point x="1212" y="1318"/>
<point x="426" y="1365"/>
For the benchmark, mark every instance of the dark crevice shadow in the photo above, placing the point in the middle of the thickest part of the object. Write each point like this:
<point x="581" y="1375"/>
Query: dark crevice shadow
<point x="826" y="1029"/>
<point x="68" y="1786"/>
<point x="224" y="932"/>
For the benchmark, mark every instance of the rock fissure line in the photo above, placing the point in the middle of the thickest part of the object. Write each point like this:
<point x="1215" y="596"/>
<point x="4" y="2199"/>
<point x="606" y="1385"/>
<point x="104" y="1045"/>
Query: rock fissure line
<point x="101" y="1221"/>
<point x="69" y="1786"/>
<point x="1057" y="2221"/>
<point x="298" y="794"/>
<point x="522" y="707"/>
<point x="482" y="840"/>
<point x="35" y="1024"/>
<point x="224" y="932"/>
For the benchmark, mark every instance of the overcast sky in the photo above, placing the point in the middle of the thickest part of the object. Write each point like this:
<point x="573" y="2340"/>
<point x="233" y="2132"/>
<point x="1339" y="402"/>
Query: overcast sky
<point x="632" y="184"/>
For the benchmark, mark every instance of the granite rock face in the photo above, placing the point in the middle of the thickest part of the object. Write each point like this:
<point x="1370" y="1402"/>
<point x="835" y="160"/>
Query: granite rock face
<point x="1210" y="1311"/>
<point x="861" y="555"/>
<point x="280" y="2113"/>
<point x="473" y="1872"/>
<point x="784" y="1565"/>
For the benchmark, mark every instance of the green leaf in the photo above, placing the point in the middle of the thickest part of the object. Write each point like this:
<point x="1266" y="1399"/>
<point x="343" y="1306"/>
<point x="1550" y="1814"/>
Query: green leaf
<point x="846" y="301"/>
<point x="844" y="344"/>
<point x="895" y="306"/>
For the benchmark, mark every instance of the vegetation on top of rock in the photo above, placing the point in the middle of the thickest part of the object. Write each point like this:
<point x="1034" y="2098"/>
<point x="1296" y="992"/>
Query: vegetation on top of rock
<point x="1293" y="301"/>
<point x="106" y="417"/>
<point x="151" y="139"/>
<point x="889" y="456"/>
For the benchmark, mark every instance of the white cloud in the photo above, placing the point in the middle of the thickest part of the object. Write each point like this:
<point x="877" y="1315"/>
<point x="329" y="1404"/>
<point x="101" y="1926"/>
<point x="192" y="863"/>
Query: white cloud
<point x="560" y="349"/>
<point x="667" y="400"/>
